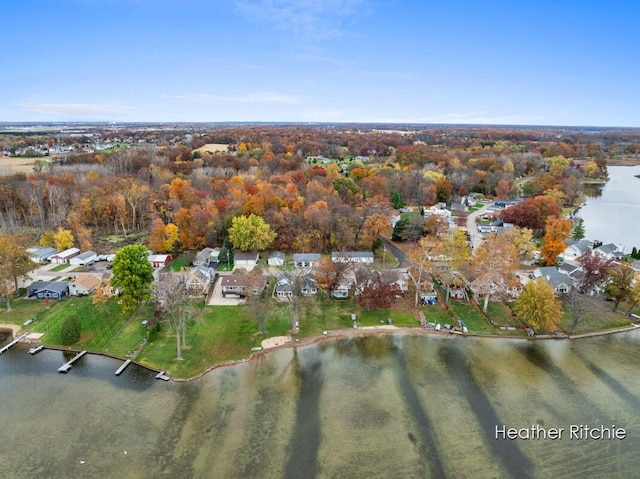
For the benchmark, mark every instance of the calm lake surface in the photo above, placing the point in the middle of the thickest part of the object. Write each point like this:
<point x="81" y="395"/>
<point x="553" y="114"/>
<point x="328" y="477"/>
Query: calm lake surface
<point x="366" y="407"/>
<point x="612" y="211"/>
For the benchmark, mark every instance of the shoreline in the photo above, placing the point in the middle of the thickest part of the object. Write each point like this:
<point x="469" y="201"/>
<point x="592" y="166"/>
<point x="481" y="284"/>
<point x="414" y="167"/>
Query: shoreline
<point x="386" y="330"/>
<point x="343" y="334"/>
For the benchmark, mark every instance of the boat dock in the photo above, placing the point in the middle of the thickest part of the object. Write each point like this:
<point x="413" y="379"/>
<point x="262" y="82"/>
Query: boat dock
<point x="65" y="367"/>
<point x="12" y="343"/>
<point x="123" y="367"/>
<point x="33" y="351"/>
<point x="162" y="375"/>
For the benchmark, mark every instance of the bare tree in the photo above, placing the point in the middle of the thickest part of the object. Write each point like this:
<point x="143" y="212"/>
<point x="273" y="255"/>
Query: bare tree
<point x="171" y="296"/>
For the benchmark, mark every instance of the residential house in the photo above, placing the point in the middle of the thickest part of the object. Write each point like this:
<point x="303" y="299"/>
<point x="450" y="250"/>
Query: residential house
<point x="276" y="259"/>
<point x="396" y="277"/>
<point x="234" y="286"/>
<point x="342" y="290"/>
<point x="159" y="260"/>
<point x="560" y="280"/>
<point x="203" y="258"/>
<point x="610" y="251"/>
<point x="285" y="284"/>
<point x="40" y="255"/>
<point x="362" y="257"/>
<point x="64" y="256"/>
<point x="576" y="249"/>
<point x="84" y="285"/>
<point x="243" y="260"/>
<point x="83" y="259"/>
<point x="48" y="289"/>
<point x="199" y="280"/>
<point x="306" y="260"/>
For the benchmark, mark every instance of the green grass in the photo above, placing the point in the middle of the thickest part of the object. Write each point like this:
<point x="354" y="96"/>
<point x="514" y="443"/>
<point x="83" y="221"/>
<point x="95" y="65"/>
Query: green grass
<point x="223" y="333"/>
<point x="60" y="267"/>
<point x="500" y="315"/>
<point x="472" y="317"/>
<point x="99" y="325"/>
<point x="182" y="262"/>
<point x="598" y="317"/>
<point x="23" y="309"/>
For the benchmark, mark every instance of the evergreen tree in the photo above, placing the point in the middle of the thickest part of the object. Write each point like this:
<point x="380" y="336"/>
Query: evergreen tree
<point x="578" y="230"/>
<point x="397" y="200"/>
<point x="70" y="330"/>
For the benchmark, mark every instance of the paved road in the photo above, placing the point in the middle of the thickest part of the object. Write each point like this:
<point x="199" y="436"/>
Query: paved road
<point x="397" y="252"/>
<point x="472" y="227"/>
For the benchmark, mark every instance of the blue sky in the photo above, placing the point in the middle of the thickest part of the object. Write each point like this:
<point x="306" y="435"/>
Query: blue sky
<point x="535" y="62"/>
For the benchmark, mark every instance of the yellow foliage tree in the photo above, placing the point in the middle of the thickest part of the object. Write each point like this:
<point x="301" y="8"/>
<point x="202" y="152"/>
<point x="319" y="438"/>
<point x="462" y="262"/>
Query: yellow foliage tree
<point x="538" y="306"/>
<point x="558" y="229"/>
<point x="47" y="239"/>
<point x="63" y="239"/>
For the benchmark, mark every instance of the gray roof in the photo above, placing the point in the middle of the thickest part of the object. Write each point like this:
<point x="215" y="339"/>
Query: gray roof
<point x="609" y="249"/>
<point x="352" y="254"/>
<point x="245" y="256"/>
<point x="56" y="286"/>
<point x="86" y="255"/>
<point x="555" y="277"/>
<point x="43" y="252"/>
<point x="306" y="256"/>
<point x="277" y="254"/>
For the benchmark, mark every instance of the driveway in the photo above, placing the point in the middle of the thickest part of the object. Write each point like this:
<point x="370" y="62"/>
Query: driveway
<point x="218" y="300"/>
<point x="395" y="251"/>
<point x="472" y="227"/>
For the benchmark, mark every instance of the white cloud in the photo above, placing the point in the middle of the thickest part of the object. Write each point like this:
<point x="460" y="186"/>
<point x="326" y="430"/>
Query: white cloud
<point x="471" y="118"/>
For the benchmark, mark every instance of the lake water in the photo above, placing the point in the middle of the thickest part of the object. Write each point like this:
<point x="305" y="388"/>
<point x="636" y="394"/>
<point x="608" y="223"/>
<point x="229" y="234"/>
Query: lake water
<point x="366" y="407"/>
<point x="612" y="211"/>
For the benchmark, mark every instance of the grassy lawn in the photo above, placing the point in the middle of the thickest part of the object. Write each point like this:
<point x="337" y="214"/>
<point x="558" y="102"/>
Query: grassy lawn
<point x="472" y="317"/>
<point x="23" y="309"/>
<point x="99" y="324"/>
<point x="438" y="314"/>
<point x="180" y="263"/>
<point x="500" y="315"/>
<point x="598" y="317"/>
<point x="223" y="333"/>
<point x="60" y="267"/>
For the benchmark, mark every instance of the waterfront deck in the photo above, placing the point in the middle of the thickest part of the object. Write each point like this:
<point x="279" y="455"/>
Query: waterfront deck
<point x="123" y="367"/>
<point x="12" y="343"/>
<point x="65" y="367"/>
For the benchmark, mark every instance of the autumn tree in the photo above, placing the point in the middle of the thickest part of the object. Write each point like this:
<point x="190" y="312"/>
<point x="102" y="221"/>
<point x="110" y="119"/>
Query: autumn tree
<point x="522" y="240"/>
<point x="595" y="271"/>
<point x="634" y="295"/>
<point x="377" y="293"/>
<point x="577" y="306"/>
<point x="133" y="272"/>
<point x="14" y="262"/>
<point x="171" y="296"/>
<point x="456" y="253"/>
<point x="248" y="233"/>
<point x="538" y="306"/>
<point x="422" y="259"/>
<point x="558" y="229"/>
<point x="493" y="266"/>
<point x="63" y="239"/>
<point x="619" y="287"/>
<point x="163" y="238"/>
<point x="329" y="275"/>
<point x="47" y="239"/>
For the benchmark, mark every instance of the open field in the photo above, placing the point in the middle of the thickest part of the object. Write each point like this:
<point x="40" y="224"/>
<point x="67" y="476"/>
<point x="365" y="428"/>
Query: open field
<point x="213" y="147"/>
<point x="18" y="164"/>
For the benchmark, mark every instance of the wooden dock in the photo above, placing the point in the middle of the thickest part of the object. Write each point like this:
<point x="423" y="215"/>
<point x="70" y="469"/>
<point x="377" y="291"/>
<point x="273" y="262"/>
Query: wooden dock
<point x="12" y="343"/>
<point x="65" y="367"/>
<point x="33" y="351"/>
<point x="123" y="367"/>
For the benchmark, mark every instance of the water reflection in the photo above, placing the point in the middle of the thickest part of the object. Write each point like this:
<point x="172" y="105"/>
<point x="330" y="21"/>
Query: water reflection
<point x="592" y="191"/>
<point x="378" y="406"/>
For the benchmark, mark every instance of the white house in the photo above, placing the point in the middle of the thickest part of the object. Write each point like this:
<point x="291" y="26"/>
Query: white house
<point x="64" y="256"/>
<point x="362" y="257"/>
<point x="610" y="251"/>
<point x="84" y="285"/>
<point x="306" y="260"/>
<point x="576" y="249"/>
<point x="86" y="258"/>
<point x="40" y="255"/>
<point x="245" y="259"/>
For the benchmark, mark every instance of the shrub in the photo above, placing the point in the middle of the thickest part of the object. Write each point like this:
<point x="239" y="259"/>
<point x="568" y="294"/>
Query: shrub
<point x="70" y="331"/>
